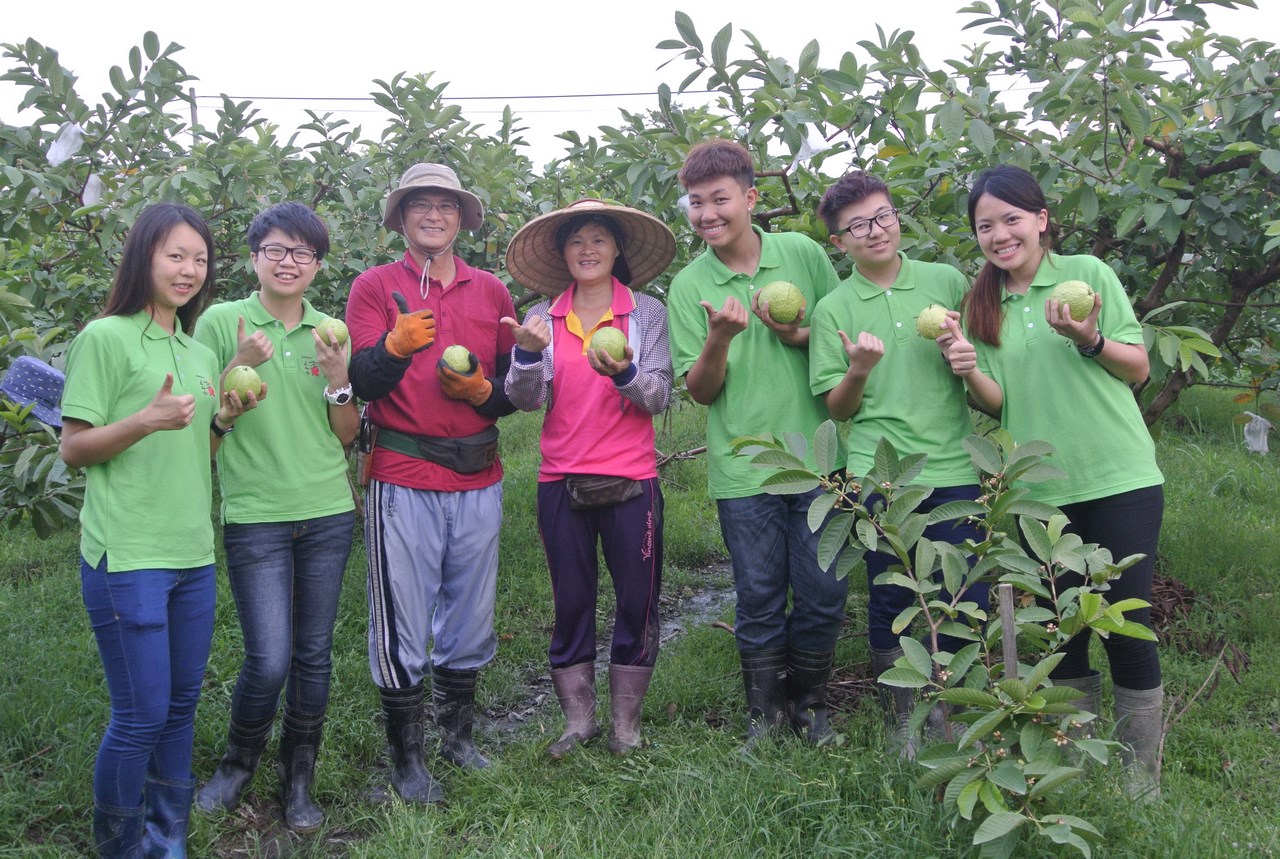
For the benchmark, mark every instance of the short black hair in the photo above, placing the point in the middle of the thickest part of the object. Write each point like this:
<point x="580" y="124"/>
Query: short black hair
<point x="849" y="189"/>
<point x="294" y="220"/>
<point x="621" y="269"/>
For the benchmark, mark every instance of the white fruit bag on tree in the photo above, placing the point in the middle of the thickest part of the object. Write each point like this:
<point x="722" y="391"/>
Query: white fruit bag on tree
<point x="1255" y="433"/>
<point x="68" y="142"/>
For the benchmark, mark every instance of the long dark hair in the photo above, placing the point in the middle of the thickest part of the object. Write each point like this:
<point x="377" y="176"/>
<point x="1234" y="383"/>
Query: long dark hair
<point x="983" y="311"/>
<point x="133" y="290"/>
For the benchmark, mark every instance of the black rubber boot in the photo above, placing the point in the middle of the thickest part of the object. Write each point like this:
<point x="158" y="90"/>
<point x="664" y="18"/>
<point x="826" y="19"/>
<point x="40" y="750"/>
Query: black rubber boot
<point x="898" y="703"/>
<point x="167" y="817"/>
<point x="402" y="709"/>
<point x="764" y="676"/>
<point x="807" y="676"/>
<point x="453" y="692"/>
<point x="117" y="832"/>
<point x="299" y="743"/>
<point x="223" y="790"/>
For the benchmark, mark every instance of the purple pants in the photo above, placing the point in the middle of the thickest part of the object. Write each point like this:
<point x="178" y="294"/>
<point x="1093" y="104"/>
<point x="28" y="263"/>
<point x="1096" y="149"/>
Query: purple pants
<point x="630" y="536"/>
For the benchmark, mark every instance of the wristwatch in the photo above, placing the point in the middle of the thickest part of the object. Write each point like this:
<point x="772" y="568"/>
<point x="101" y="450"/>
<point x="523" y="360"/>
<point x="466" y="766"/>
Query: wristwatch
<point x="218" y="430"/>
<point x="1094" y="350"/>
<point x="340" y="397"/>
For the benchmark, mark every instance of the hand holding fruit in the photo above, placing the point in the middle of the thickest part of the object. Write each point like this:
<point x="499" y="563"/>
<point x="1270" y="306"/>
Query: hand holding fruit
<point x="167" y="410"/>
<point x="780" y="306"/>
<point x="961" y="355"/>
<point x="727" y="322"/>
<point x="533" y="336"/>
<point x="459" y="373"/>
<point x="253" y="349"/>
<point x="608" y="352"/>
<point x="863" y="354"/>
<point x="1073" y="310"/>
<point x="413" y="331"/>
<point x="331" y="358"/>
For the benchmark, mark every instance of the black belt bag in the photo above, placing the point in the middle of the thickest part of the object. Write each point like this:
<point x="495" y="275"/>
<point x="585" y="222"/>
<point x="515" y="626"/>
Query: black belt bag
<point x="465" y="455"/>
<point x="593" y="491"/>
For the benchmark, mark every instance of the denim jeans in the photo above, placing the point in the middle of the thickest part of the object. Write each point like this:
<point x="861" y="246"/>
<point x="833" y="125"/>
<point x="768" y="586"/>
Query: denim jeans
<point x="286" y="578"/>
<point x="886" y="602"/>
<point x="775" y="554"/>
<point x="153" y="629"/>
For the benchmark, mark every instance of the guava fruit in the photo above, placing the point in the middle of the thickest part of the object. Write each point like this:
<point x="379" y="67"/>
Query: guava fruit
<point x="611" y="340"/>
<point x="1078" y="295"/>
<point x="243" y="380"/>
<point x="333" y="329"/>
<point x="784" y="299"/>
<point x="458" y="358"/>
<point x="930" y="322"/>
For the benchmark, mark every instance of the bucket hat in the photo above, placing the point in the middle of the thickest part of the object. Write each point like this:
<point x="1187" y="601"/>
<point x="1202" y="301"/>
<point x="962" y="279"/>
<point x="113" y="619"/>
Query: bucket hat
<point x="432" y="177"/>
<point x="533" y="260"/>
<point x="32" y="382"/>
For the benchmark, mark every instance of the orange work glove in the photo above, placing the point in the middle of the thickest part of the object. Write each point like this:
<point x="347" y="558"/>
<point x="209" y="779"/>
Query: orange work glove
<point x="413" y="332"/>
<point x="471" y="386"/>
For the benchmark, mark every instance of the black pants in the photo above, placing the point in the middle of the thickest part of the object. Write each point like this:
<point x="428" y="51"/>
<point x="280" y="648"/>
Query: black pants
<point x="1126" y="524"/>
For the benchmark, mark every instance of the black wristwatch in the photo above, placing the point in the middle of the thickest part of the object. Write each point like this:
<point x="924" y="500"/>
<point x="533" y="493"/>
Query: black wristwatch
<point x="1092" y="351"/>
<point x="217" y="430"/>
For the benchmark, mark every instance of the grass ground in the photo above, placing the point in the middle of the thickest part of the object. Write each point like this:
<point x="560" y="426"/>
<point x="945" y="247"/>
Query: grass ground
<point x="690" y="793"/>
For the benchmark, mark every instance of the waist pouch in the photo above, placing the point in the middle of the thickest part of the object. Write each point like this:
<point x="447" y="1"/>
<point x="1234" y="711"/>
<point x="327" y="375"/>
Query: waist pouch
<point x="593" y="491"/>
<point x="465" y="455"/>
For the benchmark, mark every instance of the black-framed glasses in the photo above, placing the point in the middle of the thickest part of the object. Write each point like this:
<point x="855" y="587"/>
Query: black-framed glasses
<point x="425" y="207"/>
<point x="276" y="253"/>
<point x="860" y="229"/>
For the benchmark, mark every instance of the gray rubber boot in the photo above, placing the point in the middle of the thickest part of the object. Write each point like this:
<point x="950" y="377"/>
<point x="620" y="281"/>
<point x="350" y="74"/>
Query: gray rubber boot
<point x="807" y="676"/>
<point x="410" y="777"/>
<point x="898" y="704"/>
<point x="627" y="686"/>
<point x="1140" y="726"/>
<point x="764" y="676"/>
<point x="453" y="692"/>
<point x="576" y="691"/>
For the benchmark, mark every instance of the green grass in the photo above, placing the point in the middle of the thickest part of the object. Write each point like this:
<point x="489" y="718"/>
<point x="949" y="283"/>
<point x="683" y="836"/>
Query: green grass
<point x="690" y="793"/>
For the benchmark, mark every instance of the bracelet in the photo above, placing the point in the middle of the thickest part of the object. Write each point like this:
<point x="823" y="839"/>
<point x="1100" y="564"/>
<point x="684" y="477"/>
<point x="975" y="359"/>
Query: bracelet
<point x="1094" y="350"/>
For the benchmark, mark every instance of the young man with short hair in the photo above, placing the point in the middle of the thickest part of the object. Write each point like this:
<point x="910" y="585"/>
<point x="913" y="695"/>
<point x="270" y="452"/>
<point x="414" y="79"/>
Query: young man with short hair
<point x="876" y="371"/>
<point x="753" y="373"/>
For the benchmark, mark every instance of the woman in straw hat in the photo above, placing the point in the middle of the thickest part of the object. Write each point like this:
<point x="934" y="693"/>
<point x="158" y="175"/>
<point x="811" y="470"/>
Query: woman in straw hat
<point x="599" y="477"/>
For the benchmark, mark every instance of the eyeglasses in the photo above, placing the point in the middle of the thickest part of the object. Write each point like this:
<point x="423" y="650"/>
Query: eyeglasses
<point x="276" y="253"/>
<point x="426" y="207"/>
<point x="862" y="228"/>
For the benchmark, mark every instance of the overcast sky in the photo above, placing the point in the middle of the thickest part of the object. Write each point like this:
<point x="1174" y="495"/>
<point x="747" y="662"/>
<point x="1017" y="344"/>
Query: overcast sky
<point x="530" y="55"/>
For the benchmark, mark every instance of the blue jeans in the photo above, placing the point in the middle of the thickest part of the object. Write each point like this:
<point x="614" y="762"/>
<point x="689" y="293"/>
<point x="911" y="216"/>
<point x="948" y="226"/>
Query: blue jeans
<point x="286" y="578"/>
<point x="886" y="602"/>
<point x="775" y="554"/>
<point x="153" y="629"/>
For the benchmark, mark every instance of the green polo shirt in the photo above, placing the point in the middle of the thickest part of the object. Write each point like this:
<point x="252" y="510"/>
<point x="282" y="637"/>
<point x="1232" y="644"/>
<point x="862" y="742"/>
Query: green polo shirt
<point x="147" y="507"/>
<point x="911" y="396"/>
<point x="1053" y="393"/>
<point x="766" y="383"/>
<point x="283" y="463"/>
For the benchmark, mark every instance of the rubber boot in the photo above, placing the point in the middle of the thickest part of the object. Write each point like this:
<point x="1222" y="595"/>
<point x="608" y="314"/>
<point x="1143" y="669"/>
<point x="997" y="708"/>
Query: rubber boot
<point x="764" y="676"/>
<point x="1139" y="725"/>
<point x="576" y="690"/>
<point x="807" y="676"/>
<point x="402" y="709"/>
<point x="453" y="692"/>
<point x="117" y="832"/>
<point x="223" y="790"/>
<point x="898" y="704"/>
<point x="1091" y="702"/>
<point x="167" y="817"/>
<point x="627" y="685"/>
<point x="299" y="743"/>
